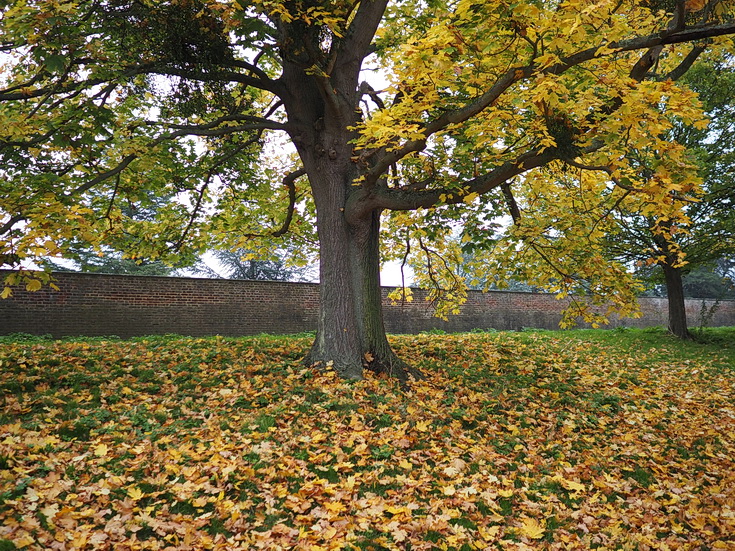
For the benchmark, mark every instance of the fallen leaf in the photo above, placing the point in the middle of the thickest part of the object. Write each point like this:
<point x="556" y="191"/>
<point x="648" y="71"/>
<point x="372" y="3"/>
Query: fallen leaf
<point x="532" y="529"/>
<point x="101" y="450"/>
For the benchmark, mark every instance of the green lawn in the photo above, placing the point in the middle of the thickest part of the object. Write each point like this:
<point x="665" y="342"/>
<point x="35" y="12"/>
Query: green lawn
<point x="621" y="439"/>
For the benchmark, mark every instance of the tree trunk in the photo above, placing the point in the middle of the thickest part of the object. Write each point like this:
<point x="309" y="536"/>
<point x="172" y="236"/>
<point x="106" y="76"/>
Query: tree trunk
<point x="322" y="115"/>
<point x="377" y="353"/>
<point x="675" y="294"/>
<point x="350" y="333"/>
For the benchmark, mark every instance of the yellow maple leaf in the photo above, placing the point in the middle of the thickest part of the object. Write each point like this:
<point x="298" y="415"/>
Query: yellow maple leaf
<point x="135" y="493"/>
<point x="570" y="485"/>
<point x="490" y="533"/>
<point x="34" y="285"/>
<point x="395" y="510"/>
<point x="335" y="506"/>
<point x="101" y="450"/>
<point x="422" y="426"/>
<point x="199" y="501"/>
<point x="532" y="529"/>
<point x="470" y="197"/>
<point x="50" y="511"/>
<point x="23" y="541"/>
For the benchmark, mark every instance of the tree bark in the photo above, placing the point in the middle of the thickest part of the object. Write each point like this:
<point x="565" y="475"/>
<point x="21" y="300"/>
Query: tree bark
<point x="378" y="355"/>
<point x="675" y="294"/>
<point x="351" y="334"/>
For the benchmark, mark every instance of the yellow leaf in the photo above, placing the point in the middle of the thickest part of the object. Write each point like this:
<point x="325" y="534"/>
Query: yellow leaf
<point x="33" y="285"/>
<point x="532" y="529"/>
<point x="135" y="494"/>
<point x="407" y="465"/>
<point x="50" y="511"/>
<point x="23" y="541"/>
<point x="101" y="450"/>
<point x="470" y="197"/>
<point x="570" y="485"/>
<point x="490" y="533"/>
<point x="505" y="493"/>
<point x="199" y="501"/>
<point x="422" y="426"/>
<point x="335" y="507"/>
<point x="7" y="292"/>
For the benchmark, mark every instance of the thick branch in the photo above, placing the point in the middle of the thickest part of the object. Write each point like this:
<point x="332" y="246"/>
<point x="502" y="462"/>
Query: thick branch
<point x="5" y="228"/>
<point x="13" y="93"/>
<point x="269" y="85"/>
<point x="510" y="201"/>
<point x="686" y="63"/>
<point x="516" y="74"/>
<point x="213" y="128"/>
<point x="402" y="199"/>
<point x="356" y="44"/>
<point x="450" y="117"/>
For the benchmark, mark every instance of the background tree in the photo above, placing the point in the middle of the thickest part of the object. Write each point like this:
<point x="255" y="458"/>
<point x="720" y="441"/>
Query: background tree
<point x="687" y="256"/>
<point x="709" y="281"/>
<point x="713" y="281"/>
<point x="103" y="101"/>
<point x="108" y="258"/>
<point x="108" y="262"/>
<point x="248" y="264"/>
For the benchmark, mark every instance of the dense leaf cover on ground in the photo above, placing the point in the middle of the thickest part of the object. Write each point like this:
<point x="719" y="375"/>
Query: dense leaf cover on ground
<point x="530" y="440"/>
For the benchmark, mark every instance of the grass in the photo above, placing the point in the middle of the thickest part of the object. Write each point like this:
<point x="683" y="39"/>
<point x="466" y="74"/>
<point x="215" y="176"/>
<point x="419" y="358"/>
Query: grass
<point x="620" y="439"/>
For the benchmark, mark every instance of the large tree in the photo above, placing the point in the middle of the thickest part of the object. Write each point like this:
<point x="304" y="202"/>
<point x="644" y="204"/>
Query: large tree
<point x="103" y="101"/>
<point x="707" y="234"/>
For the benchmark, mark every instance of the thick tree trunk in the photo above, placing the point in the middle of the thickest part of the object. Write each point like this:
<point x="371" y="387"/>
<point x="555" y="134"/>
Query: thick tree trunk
<point x="322" y="114"/>
<point x="350" y="334"/>
<point x="675" y="294"/>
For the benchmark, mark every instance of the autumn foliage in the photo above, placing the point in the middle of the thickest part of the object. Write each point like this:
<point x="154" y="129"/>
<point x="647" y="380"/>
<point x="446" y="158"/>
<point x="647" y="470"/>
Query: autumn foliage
<point x="581" y="440"/>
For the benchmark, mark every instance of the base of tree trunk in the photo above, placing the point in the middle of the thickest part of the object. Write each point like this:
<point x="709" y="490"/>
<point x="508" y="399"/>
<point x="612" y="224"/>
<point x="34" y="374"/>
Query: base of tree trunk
<point x="389" y="365"/>
<point x="393" y="366"/>
<point x="684" y="334"/>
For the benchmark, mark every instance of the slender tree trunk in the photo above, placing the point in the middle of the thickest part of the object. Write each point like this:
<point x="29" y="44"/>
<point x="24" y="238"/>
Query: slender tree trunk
<point x="675" y="294"/>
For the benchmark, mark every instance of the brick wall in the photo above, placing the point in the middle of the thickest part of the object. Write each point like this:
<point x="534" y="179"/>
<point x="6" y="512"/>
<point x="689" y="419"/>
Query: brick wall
<point x="98" y="305"/>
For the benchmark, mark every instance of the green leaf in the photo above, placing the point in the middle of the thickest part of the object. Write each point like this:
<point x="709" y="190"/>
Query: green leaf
<point x="55" y="63"/>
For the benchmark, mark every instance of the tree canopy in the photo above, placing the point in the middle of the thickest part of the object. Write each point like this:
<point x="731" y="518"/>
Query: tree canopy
<point x="520" y="109"/>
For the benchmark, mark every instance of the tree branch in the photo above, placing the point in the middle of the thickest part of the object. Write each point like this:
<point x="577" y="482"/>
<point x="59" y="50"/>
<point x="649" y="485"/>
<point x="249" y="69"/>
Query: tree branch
<point x="510" y="201"/>
<point x="5" y="228"/>
<point x="686" y="64"/>
<point x="290" y="181"/>
<point x="405" y="199"/>
<point x="356" y="44"/>
<point x="210" y="128"/>
<point x="515" y="74"/>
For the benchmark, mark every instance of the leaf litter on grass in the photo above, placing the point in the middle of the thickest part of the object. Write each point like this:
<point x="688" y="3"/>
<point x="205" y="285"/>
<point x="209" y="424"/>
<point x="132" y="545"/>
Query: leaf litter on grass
<point x="514" y="441"/>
